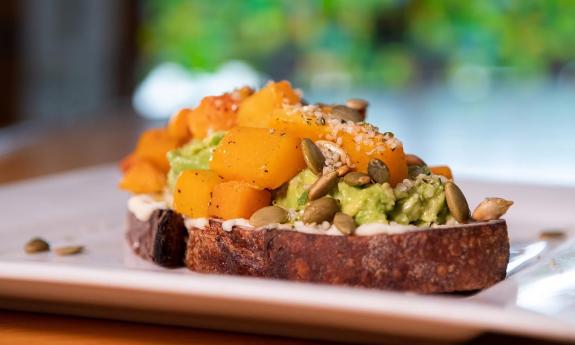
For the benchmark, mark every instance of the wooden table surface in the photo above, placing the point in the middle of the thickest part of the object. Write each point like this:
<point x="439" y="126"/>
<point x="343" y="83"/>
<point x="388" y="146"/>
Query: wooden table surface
<point x="31" y="151"/>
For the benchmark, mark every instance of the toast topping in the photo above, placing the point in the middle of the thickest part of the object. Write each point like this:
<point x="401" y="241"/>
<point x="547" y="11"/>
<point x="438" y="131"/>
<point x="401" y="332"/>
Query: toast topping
<point x="279" y="163"/>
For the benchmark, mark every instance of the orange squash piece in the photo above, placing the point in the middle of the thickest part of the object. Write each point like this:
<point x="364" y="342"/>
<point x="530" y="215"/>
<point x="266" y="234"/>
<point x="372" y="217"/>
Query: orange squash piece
<point x="442" y="170"/>
<point x="261" y="156"/>
<point x="362" y="146"/>
<point x="237" y="199"/>
<point x="127" y="162"/>
<point x="361" y="142"/>
<point x="256" y="110"/>
<point x="143" y="177"/>
<point x="193" y="191"/>
<point x="216" y="113"/>
<point x="178" y="125"/>
<point x="153" y="146"/>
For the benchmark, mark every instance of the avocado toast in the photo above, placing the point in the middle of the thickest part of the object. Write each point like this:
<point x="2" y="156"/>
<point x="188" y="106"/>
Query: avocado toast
<point x="258" y="184"/>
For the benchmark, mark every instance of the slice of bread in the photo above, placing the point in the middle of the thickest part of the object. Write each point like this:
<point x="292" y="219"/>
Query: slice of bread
<point x="447" y="259"/>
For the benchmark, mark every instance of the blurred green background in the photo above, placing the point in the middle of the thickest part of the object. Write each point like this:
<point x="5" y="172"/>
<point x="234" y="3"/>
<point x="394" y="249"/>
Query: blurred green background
<point x="375" y="43"/>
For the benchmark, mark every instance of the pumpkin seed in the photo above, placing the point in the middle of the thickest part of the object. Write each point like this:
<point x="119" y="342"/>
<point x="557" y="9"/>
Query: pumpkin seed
<point x="415" y="170"/>
<point x="360" y="105"/>
<point x="378" y="171"/>
<point x="322" y="185"/>
<point x="320" y="210"/>
<point x="36" y="245"/>
<point x="344" y="223"/>
<point x="356" y="179"/>
<point x="491" y="208"/>
<point x="342" y="170"/>
<point x="281" y="191"/>
<point x="456" y="202"/>
<point x="414" y="160"/>
<point x="68" y="250"/>
<point x="332" y="150"/>
<point x="312" y="155"/>
<point x="342" y="112"/>
<point x="269" y="215"/>
<point x="552" y="235"/>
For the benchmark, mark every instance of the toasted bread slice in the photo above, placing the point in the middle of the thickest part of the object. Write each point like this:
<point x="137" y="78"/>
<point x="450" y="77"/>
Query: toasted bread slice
<point x="447" y="259"/>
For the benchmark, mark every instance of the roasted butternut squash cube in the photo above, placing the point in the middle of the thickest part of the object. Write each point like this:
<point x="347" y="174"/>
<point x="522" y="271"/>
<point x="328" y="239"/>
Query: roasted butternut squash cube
<point x="360" y="141"/>
<point x="362" y="145"/>
<point x="257" y="109"/>
<point x="442" y="170"/>
<point x="216" y="113"/>
<point x="237" y="199"/>
<point x="261" y="156"/>
<point x="178" y="125"/>
<point x="153" y="146"/>
<point x="193" y="192"/>
<point x="143" y="177"/>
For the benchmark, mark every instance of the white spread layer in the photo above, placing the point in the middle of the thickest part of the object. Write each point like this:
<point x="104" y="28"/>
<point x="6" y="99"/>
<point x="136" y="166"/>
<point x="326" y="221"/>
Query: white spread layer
<point x="143" y="205"/>
<point x="322" y="229"/>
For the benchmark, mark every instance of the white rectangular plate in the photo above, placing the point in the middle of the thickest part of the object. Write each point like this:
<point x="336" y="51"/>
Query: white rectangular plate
<point x="107" y="280"/>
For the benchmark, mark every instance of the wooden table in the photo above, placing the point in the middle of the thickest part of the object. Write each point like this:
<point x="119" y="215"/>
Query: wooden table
<point x="40" y="150"/>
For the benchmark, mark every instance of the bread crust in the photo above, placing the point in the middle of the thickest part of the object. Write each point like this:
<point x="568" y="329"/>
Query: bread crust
<point x="447" y="259"/>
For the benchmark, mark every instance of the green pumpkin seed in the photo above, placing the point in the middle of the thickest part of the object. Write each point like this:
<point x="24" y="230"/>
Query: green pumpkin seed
<point x="491" y="208"/>
<point x="36" y="245"/>
<point x="269" y="215"/>
<point x="68" y="250"/>
<point x="344" y="223"/>
<point x="378" y="171"/>
<point x="342" y="112"/>
<point x="356" y="179"/>
<point x="313" y="157"/>
<point x="322" y="185"/>
<point x="320" y="210"/>
<point x="415" y="170"/>
<point x="414" y="160"/>
<point x="456" y="202"/>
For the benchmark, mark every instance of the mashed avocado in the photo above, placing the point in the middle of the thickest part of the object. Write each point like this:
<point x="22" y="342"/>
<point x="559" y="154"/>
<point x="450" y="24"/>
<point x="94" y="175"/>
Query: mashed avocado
<point x="420" y="201"/>
<point x="194" y="155"/>
<point x="295" y="196"/>
<point x="366" y="205"/>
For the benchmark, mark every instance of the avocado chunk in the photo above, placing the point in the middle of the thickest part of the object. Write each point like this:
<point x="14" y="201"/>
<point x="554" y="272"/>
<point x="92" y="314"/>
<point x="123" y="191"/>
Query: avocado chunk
<point x="420" y="202"/>
<point x="295" y="198"/>
<point x="366" y="205"/>
<point x="194" y="155"/>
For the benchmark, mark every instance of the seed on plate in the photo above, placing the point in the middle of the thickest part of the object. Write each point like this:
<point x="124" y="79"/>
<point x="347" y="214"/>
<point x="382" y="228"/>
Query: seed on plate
<point x="68" y="250"/>
<point x="491" y="208"/>
<point x="36" y="245"/>
<point x="413" y="160"/>
<point x="320" y="210"/>
<point x="356" y="179"/>
<point x="269" y="215"/>
<point x="456" y="202"/>
<point x="344" y="223"/>
<point x="312" y="155"/>
<point x="322" y="185"/>
<point x="552" y="235"/>
<point x="378" y="171"/>
<point x="342" y="112"/>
